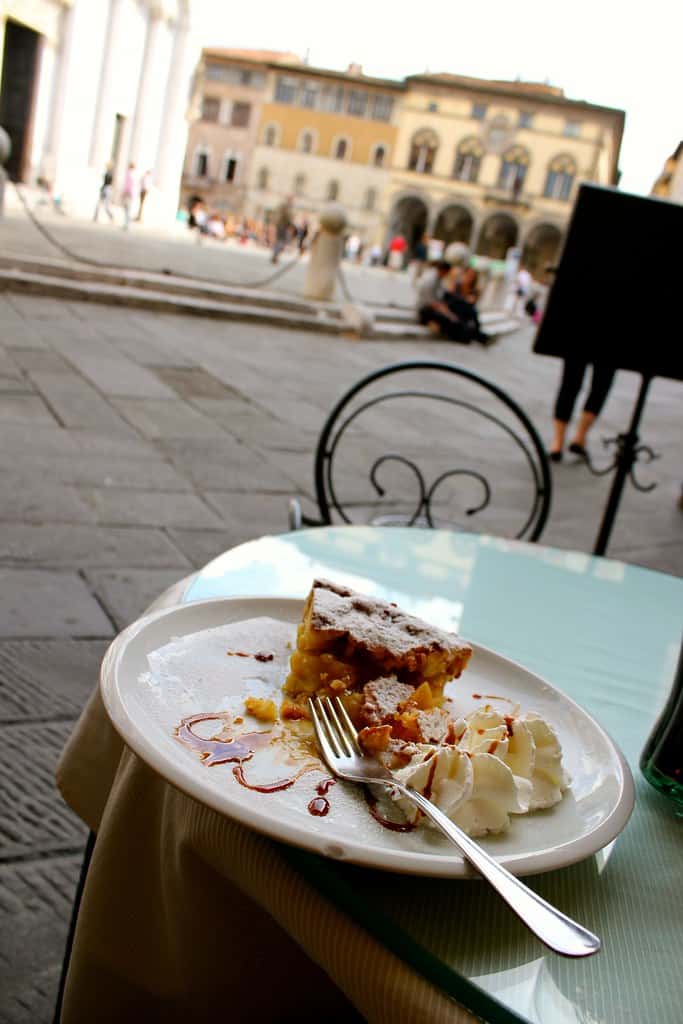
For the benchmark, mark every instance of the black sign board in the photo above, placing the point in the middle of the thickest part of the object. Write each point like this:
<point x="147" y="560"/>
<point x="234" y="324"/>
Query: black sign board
<point x="617" y="297"/>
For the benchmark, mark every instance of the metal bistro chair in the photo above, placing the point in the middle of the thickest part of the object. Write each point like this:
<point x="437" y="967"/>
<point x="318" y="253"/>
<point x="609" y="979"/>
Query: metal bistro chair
<point x="460" y="448"/>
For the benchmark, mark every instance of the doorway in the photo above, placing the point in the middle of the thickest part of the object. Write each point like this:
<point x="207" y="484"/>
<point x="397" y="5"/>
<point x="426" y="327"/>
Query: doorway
<point x="17" y="93"/>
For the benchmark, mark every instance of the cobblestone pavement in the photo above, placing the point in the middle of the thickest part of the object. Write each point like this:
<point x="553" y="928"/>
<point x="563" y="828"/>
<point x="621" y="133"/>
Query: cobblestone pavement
<point x="135" y="447"/>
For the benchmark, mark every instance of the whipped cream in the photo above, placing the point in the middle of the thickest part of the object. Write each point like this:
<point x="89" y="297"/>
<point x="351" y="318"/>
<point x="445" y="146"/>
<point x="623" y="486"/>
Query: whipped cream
<point x="498" y="766"/>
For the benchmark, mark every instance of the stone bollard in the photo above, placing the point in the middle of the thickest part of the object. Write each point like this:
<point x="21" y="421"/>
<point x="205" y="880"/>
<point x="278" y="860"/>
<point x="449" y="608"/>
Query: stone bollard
<point x="5" y="150"/>
<point x="326" y="253"/>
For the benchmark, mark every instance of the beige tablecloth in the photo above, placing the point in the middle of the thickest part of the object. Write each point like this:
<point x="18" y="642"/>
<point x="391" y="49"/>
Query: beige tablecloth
<point x="187" y="913"/>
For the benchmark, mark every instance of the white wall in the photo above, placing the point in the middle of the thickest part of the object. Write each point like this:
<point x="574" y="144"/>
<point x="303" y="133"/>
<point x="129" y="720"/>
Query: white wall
<point x="70" y="100"/>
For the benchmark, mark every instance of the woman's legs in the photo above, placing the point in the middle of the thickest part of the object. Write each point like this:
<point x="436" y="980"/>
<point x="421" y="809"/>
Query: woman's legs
<point x="601" y="382"/>
<point x="570" y="385"/>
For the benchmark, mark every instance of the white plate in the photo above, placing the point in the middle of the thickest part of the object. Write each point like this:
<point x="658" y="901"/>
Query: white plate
<point x="146" y="707"/>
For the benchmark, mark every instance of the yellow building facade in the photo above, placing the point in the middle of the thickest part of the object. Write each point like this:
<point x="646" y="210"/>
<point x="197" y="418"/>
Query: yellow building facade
<point x="230" y="87"/>
<point x="326" y="136"/>
<point x="495" y="164"/>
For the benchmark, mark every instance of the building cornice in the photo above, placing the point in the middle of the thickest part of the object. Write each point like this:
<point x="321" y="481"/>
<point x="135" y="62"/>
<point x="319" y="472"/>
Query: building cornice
<point x="505" y="90"/>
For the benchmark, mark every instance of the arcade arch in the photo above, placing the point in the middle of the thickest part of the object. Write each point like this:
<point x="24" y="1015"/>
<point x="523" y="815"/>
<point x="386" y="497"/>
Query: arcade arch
<point x="541" y="249"/>
<point x="408" y="217"/>
<point x="498" y="234"/>
<point x="454" y="224"/>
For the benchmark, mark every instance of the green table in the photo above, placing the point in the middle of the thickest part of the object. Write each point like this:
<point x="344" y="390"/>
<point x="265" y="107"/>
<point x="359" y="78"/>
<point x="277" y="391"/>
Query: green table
<point x="607" y="634"/>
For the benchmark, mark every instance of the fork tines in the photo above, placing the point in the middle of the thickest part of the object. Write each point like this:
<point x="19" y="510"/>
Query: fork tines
<point x="333" y="728"/>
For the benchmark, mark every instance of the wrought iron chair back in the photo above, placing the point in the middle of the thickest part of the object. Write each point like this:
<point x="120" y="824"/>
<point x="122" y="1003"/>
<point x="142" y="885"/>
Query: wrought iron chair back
<point x="423" y="498"/>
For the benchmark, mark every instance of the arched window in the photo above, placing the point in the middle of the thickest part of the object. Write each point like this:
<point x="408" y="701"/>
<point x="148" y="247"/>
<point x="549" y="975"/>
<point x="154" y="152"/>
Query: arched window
<point x="379" y="155"/>
<point x="370" y="200"/>
<point x="341" y="149"/>
<point x="423" y="151"/>
<point x="333" y="190"/>
<point x="513" y="169"/>
<point x="262" y="180"/>
<point x="306" y="142"/>
<point x="560" y="178"/>
<point x="468" y="159"/>
<point x="201" y="162"/>
<point x="299" y="184"/>
<point x="271" y="135"/>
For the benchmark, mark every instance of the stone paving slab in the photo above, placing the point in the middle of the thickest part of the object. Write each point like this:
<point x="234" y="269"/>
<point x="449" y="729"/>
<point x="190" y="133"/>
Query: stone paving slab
<point x="38" y="603"/>
<point x="118" y="377"/>
<point x="167" y="418"/>
<point x="47" y="679"/>
<point x="114" y="507"/>
<point x="127" y="593"/>
<point x="29" y="498"/>
<point x="96" y="471"/>
<point x="77" y="404"/>
<point x="201" y="546"/>
<point x="226" y="465"/>
<point x="191" y="382"/>
<point x="10" y="368"/>
<point x="39" y="360"/>
<point x="253" y="425"/>
<point x="25" y="409"/>
<point x="250" y="515"/>
<point x="87" y="546"/>
<point x="32" y="819"/>
<point x="37" y="898"/>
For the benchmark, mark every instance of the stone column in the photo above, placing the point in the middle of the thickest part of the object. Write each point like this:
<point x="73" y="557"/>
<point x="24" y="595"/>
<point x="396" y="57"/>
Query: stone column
<point x="100" y="144"/>
<point x="154" y="27"/>
<point x="54" y="135"/>
<point x="326" y="253"/>
<point x="171" y="138"/>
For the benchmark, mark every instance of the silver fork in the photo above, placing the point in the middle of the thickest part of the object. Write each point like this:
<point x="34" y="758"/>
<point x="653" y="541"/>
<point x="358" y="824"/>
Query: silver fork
<point x="344" y="757"/>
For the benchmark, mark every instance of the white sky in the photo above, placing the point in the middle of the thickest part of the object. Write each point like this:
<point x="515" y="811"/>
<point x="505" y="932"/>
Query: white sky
<point x="614" y="52"/>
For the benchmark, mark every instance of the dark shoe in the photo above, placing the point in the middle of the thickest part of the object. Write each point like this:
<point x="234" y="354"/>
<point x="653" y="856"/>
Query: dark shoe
<point x="555" y="456"/>
<point x="578" y="449"/>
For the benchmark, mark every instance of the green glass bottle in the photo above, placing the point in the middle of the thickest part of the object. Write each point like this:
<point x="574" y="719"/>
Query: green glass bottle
<point x="661" y="761"/>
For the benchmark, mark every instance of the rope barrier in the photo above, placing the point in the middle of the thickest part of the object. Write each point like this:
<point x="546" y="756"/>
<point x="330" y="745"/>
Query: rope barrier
<point x="89" y="261"/>
<point x="346" y="292"/>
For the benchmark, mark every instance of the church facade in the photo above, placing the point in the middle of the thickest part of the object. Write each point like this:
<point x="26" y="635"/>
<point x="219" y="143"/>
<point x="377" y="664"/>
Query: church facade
<point x="90" y="83"/>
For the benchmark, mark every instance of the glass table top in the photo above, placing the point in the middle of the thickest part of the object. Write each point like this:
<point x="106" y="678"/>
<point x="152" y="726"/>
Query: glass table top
<point x="608" y="635"/>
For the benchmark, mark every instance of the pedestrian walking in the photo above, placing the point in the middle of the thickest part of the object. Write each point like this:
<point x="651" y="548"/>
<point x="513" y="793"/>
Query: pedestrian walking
<point x="129" y="195"/>
<point x="104" y="197"/>
<point x="145" y="182"/>
<point x="420" y="256"/>
<point x="283" y="225"/>
<point x="302" y="234"/>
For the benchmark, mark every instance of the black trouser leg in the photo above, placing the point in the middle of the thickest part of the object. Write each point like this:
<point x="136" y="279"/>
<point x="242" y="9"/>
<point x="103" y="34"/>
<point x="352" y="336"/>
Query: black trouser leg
<point x="570" y="385"/>
<point x="454" y="330"/>
<point x="601" y="382"/>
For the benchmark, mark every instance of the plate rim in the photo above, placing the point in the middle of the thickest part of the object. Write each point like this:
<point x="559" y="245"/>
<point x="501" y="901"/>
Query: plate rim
<point x="396" y="861"/>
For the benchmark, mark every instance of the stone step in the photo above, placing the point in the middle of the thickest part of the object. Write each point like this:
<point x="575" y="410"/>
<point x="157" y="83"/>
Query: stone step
<point x="161" y="282"/>
<point x="177" y="295"/>
<point x="323" y="320"/>
<point x="145" y="298"/>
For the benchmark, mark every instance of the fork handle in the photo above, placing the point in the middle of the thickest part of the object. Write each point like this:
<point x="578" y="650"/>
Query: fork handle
<point x="551" y="926"/>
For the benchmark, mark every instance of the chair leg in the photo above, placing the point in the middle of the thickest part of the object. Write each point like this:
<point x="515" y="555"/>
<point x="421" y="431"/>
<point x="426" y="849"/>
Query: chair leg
<point x="87" y="854"/>
<point x="295" y="517"/>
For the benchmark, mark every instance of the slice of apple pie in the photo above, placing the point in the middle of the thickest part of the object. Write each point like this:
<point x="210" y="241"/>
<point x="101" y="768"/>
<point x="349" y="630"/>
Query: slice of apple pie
<point x="346" y="639"/>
